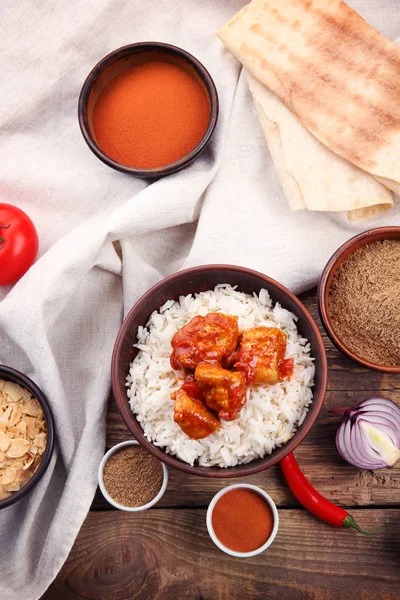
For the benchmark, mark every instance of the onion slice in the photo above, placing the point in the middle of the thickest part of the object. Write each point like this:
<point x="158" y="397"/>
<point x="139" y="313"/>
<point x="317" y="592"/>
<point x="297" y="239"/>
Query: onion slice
<point x="369" y="435"/>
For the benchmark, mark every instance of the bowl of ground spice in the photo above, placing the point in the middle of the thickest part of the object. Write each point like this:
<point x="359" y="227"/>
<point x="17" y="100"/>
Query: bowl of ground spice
<point x="148" y="109"/>
<point x="130" y="478"/>
<point x="242" y="520"/>
<point x="359" y="299"/>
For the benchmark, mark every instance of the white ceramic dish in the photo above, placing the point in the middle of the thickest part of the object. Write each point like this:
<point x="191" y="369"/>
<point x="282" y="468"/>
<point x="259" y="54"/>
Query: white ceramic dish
<point x="270" y="503"/>
<point x="107" y="496"/>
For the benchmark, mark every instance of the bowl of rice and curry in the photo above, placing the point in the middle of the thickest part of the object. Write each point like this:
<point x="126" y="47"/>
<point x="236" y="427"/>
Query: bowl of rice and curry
<point x="219" y="371"/>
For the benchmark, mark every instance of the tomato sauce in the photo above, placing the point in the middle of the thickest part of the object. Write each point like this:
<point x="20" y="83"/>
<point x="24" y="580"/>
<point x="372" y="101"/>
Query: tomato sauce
<point x="286" y="368"/>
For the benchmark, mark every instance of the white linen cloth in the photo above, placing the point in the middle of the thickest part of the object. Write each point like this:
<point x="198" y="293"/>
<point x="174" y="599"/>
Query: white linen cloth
<point x="59" y="323"/>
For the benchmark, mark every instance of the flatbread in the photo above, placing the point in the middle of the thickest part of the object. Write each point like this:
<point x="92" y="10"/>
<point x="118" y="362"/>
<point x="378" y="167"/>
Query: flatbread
<point x="338" y="74"/>
<point x="312" y="176"/>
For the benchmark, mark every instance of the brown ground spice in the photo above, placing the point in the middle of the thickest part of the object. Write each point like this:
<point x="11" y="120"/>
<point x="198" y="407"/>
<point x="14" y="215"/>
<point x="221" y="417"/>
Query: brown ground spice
<point x="132" y="476"/>
<point x="364" y="302"/>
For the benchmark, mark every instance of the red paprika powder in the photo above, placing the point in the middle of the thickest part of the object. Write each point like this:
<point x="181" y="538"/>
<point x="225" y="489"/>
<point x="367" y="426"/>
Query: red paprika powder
<point x="242" y="520"/>
<point x="151" y="115"/>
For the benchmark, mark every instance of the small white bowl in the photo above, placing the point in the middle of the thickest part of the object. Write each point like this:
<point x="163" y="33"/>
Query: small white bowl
<point x="107" y="496"/>
<point x="269" y="501"/>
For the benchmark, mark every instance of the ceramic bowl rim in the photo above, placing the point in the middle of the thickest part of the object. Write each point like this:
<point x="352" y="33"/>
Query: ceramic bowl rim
<point x="270" y="503"/>
<point x="367" y="237"/>
<point x="107" y="496"/>
<point x="27" y="383"/>
<point x="229" y="472"/>
<point x="148" y="47"/>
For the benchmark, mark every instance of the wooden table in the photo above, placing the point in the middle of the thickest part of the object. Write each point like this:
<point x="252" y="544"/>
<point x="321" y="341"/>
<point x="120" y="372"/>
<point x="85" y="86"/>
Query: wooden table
<point x="166" y="554"/>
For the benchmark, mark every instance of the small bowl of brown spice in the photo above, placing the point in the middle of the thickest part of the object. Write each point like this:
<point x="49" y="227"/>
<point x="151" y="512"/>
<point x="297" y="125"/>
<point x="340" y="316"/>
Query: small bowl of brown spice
<point x="130" y="478"/>
<point x="359" y="299"/>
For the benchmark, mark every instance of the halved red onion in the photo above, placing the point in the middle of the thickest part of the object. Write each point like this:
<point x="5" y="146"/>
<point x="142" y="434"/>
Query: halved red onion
<point x="369" y="435"/>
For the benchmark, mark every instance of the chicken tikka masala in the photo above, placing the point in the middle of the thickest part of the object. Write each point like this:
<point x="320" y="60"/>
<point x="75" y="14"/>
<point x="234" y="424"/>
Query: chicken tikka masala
<point x="219" y="364"/>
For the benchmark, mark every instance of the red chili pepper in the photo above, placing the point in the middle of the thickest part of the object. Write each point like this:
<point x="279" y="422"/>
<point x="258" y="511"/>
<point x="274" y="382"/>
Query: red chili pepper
<point x="312" y="500"/>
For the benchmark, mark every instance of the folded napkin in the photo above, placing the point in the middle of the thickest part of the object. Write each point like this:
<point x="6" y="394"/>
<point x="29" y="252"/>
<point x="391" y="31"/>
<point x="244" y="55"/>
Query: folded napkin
<point x="58" y="324"/>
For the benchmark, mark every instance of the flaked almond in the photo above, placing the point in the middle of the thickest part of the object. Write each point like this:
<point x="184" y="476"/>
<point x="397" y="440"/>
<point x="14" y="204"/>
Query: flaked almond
<point x="9" y="476"/>
<point x="33" y="426"/>
<point x="22" y="437"/>
<point x="18" y="448"/>
<point x="20" y="428"/>
<point x="14" y="486"/>
<point x="26" y="396"/>
<point x="16" y="431"/>
<point x="28" y="463"/>
<point x="15" y="416"/>
<point x="40" y="441"/>
<point x="3" y="493"/>
<point x="19" y="464"/>
<point x="32" y="408"/>
<point x="4" y="441"/>
<point x="5" y="417"/>
<point x="14" y="391"/>
<point x="21" y="477"/>
<point x="25" y="457"/>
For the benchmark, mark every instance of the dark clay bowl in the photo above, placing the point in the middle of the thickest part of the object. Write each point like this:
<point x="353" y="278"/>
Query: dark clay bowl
<point x="198" y="279"/>
<point x="123" y="59"/>
<point x="363" y="239"/>
<point x="10" y="374"/>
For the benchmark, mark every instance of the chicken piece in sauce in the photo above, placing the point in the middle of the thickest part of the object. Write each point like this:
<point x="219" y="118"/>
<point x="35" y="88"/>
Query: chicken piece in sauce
<point x="261" y="356"/>
<point x="209" y="338"/>
<point x="193" y="417"/>
<point x="224" y="391"/>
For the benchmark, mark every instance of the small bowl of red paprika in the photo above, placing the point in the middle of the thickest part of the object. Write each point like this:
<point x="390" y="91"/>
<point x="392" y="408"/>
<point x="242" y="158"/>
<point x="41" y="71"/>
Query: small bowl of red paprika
<point x="242" y="520"/>
<point x="148" y="109"/>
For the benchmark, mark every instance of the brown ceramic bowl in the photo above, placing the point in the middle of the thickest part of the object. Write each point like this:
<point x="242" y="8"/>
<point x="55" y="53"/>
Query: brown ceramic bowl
<point x="10" y="374"/>
<point x="198" y="279"/>
<point x="123" y="59"/>
<point x="333" y="264"/>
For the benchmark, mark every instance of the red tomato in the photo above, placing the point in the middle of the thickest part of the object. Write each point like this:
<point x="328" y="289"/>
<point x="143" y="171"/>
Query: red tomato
<point x="18" y="243"/>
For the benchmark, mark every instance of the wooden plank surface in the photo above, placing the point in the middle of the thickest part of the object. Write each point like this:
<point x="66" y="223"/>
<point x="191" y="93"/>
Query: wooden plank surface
<point x="166" y="553"/>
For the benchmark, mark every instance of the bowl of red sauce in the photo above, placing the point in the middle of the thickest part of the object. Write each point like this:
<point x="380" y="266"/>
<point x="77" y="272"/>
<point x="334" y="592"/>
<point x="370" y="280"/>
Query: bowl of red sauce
<point x="148" y="109"/>
<point x="242" y="520"/>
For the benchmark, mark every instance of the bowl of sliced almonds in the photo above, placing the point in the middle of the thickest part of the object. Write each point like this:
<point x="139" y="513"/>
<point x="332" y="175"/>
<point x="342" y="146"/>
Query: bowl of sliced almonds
<point x="26" y="435"/>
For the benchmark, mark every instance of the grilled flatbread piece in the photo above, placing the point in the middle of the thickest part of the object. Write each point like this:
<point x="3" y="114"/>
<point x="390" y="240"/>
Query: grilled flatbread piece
<point x="311" y="175"/>
<point x="338" y="74"/>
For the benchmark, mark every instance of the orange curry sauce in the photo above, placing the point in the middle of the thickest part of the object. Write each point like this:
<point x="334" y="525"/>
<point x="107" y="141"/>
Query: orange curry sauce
<point x="219" y="365"/>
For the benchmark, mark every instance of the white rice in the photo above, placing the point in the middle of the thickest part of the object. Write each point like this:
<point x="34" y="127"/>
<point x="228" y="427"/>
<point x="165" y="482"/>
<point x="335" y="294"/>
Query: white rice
<point x="271" y="414"/>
